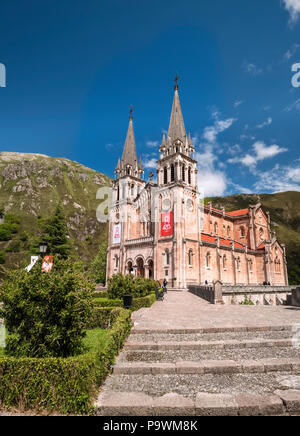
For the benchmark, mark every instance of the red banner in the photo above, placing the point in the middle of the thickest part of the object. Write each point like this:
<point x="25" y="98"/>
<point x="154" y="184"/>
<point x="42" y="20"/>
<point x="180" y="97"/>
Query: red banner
<point x="166" y="227"/>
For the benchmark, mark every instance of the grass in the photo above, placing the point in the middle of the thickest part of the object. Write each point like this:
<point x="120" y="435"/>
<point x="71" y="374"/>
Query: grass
<point x="94" y="341"/>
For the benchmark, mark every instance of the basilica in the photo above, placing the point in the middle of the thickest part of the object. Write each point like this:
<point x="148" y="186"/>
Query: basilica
<point x="164" y="229"/>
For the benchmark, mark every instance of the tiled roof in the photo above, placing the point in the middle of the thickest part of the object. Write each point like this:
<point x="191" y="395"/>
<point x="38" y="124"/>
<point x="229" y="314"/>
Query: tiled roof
<point x="238" y="212"/>
<point x="261" y="246"/>
<point x="226" y="242"/>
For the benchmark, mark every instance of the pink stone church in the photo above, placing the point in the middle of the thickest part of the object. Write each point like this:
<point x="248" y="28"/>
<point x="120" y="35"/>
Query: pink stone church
<point x="163" y="230"/>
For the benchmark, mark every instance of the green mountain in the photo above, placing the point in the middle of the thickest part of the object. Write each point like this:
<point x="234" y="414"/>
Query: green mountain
<point x="284" y="210"/>
<point x="31" y="185"/>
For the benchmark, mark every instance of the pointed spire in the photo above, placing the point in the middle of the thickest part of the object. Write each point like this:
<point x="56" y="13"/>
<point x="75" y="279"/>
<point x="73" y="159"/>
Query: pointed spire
<point x="129" y="153"/>
<point x="176" y="127"/>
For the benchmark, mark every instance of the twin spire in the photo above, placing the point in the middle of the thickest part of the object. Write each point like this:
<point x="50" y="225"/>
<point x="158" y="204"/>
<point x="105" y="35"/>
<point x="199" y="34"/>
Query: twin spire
<point x="129" y="164"/>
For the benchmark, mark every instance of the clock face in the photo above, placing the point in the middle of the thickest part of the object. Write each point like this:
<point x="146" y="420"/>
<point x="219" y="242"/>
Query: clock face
<point x="166" y="205"/>
<point x="190" y="205"/>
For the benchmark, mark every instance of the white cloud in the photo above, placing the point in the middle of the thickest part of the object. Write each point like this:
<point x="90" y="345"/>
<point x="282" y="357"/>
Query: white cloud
<point x="261" y="152"/>
<point x="293" y="7"/>
<point x="211" y="179"/>
<point x="295" y="105"/>
<point x="149" y="163"/>
<point x="210" y="133"/>
<point x="265" y="123"/>
<point x="238" y="103"/>
<point x="291" y="52"/>
<point x="279" y="179"/>
<point x="152" y="144"/>
<point x="252" y="69"/>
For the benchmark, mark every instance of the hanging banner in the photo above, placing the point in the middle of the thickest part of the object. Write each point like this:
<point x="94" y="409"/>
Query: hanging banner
<point x="117" y="234"/>
<point x="47" y="264"/>
<point x="166" y="227"/>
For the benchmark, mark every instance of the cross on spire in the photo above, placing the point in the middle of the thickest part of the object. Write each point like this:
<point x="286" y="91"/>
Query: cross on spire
<point x="176" y="81"/>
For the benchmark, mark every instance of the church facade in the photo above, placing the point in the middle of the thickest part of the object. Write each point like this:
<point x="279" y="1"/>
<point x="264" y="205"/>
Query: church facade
<point x="164" y="229"/>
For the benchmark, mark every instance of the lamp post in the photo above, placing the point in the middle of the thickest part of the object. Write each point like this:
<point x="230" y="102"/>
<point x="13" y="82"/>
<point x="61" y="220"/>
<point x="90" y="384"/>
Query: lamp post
<point x="43" y="248"/>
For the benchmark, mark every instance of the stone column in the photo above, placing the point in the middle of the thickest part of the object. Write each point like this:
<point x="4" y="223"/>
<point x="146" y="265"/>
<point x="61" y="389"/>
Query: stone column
<point x="218" y="292"/>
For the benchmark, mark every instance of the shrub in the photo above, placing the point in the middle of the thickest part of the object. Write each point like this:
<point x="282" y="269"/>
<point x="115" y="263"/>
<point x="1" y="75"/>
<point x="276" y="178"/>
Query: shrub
<point x="97" y="268"/>
<point x="7" y="230"/>
<point x="45" y="313"/>
<point x="119" y="285"/>
<point x="64" y="384"/>
<point x="247" y="301"/>
<point x="14" y="247"/>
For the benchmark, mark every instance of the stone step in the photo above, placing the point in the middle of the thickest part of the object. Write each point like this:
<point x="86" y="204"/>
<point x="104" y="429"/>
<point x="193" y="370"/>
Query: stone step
<point x="166" y="356"/>
<point x="208" y="345"/>
<point x="211" y="337"/>
<point x="288" y="365"/>
<point x="136" y="330"/>
<point x="203" y="404"/>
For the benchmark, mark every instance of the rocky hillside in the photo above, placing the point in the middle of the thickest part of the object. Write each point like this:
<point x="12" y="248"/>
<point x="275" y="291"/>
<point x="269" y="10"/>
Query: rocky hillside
<point x="31" y="185"/>
<point x="284" y="209"/>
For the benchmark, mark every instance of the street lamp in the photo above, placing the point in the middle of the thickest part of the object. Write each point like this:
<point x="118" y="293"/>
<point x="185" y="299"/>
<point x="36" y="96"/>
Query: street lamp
<point x="43" y="247"/>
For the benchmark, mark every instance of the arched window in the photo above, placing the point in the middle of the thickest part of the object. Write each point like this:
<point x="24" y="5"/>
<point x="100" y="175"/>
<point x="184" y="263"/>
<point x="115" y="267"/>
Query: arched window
<point x="224" y="261"/>
<point x="238" y="264"/>
<point x="207" y="258"/>
<point x="216" y="228"/>
<point x="190" y="176"/>
<point x="261" y="233"/>
<point x="190" y="257"/>
<point x="183" y="173"/>
<point x="117" y="261"/>
<point x="242" y="230"/>
<point x="228" y="231"/>
<point x="132" y="190"/>
<point x="251" y="265"/>
<point x="165" y="175"/>
<point x="172" y="173"/>
<point x="128" y="171"/>
<point x="167" y="253"/>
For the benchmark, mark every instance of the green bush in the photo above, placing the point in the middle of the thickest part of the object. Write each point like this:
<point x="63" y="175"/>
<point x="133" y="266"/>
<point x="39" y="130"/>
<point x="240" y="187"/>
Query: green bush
<point x="137" y="303"/>
<point x="7" y="230"/>
<point x="119" y="285"/>
<point x="14" y="247"/>
<point x="103" y="317"/>
<point x="247" y="301"/>
<point x="45" y="313"/>
<point x="67" y="385"/>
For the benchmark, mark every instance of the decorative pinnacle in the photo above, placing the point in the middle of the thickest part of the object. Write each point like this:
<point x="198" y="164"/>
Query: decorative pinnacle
<point x="176" y="81"/>
<point x="131" y="110"/>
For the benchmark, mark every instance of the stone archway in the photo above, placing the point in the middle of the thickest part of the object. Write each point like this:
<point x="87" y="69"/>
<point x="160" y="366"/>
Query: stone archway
<point x="140" y="267"/>
<point x="151" y="269"/>
<point x="129" y="267"/>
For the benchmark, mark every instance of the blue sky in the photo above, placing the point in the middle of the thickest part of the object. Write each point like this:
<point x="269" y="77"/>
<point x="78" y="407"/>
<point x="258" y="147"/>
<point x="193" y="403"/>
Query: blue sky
<point x="75" y="67"/>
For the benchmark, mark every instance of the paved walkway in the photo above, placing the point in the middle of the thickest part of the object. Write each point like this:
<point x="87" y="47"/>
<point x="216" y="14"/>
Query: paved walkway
<point x="183" y="310"/>
<point x="187" y="357"/>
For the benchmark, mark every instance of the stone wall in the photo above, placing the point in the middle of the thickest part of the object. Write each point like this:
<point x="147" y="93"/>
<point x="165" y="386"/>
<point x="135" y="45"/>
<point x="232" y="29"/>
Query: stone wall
<point x="259" y="295"/>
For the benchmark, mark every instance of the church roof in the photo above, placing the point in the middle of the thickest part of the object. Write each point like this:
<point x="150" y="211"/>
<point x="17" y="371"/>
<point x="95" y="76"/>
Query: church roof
<point x="238" y="212"/>
<point x="176" y="126"/>
<point x="129" y="153"/>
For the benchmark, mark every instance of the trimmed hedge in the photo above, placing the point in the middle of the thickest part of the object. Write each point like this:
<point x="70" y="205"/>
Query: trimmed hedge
<point x="68" y="384"/>
<point x="137" y="303"/>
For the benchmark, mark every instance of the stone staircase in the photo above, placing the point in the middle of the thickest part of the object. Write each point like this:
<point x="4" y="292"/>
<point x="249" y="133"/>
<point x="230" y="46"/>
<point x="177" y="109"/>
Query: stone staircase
<point x="205" y="371"/>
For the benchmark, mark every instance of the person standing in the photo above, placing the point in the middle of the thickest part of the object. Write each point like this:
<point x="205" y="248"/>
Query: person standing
<point x="164" y="285"/>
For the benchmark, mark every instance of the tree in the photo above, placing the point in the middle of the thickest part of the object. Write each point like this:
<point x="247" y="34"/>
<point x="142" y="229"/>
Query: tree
<point x="55" y="233"/>
<point x="46" y="313"/>
<point x="98" y="265"/>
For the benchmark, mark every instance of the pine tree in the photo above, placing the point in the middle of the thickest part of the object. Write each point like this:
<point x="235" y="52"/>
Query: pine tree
<point x="98" y="265"/>
<point x="55" y="233"/>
